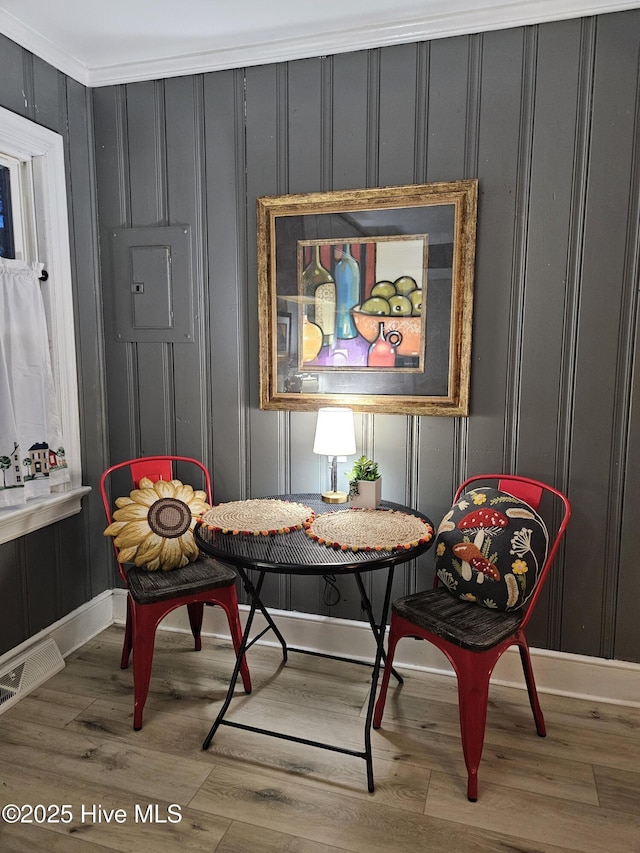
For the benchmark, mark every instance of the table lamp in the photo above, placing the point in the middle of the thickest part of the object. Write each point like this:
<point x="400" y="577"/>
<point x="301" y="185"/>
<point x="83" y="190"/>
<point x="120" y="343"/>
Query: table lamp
<point x="335" y="436"/>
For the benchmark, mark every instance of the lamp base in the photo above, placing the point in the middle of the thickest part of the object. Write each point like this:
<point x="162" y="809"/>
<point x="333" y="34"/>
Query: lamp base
<point x="334" y="497"/>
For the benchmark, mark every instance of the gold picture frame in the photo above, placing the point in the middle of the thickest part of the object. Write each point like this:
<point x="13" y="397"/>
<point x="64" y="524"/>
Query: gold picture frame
<point x="378" y="286"/>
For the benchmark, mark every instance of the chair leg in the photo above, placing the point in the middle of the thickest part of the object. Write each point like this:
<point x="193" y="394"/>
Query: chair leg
<point x="196" y="611"/>
<point x="473" y="671"/>
<point x="145" y="621"/>
<point x="128" y="643"/>
<point x="392" y="642"/>
<point x="230" y="604"/>
<point x="525" y="657"/>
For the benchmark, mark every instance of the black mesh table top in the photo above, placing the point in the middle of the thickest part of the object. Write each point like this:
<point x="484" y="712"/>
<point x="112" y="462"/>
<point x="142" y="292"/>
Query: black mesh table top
<point x="296" y="553"/>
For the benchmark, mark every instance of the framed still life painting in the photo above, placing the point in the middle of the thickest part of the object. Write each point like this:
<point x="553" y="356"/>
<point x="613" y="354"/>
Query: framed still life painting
<point x="365" y="298"/>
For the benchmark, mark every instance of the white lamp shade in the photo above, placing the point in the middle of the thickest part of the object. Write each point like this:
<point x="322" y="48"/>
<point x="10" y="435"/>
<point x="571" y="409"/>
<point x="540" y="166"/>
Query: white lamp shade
<point x="335" y="432"/>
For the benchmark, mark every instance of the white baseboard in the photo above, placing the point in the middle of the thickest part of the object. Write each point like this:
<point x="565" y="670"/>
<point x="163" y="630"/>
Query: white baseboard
<point x="73" y="630"/>
<point x="595" y="679"/>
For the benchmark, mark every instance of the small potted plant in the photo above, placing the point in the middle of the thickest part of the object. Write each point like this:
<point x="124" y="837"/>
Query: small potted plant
<point x="365" y="484"/>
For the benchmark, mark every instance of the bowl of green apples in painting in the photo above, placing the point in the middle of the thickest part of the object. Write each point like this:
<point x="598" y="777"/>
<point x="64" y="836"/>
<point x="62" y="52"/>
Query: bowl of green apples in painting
<point x="398" y="305"/>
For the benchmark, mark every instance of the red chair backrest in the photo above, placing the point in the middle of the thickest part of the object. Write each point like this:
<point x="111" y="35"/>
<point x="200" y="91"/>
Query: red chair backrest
<point x="530" y="491"/>
<point x="154" y="468"/>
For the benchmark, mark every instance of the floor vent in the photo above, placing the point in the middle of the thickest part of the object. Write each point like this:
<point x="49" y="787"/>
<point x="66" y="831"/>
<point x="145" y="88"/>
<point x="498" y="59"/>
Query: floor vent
<point x="27" y="671"/>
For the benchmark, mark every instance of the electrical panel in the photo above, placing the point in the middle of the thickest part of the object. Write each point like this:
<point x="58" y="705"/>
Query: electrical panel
<point x="153" y="284"/>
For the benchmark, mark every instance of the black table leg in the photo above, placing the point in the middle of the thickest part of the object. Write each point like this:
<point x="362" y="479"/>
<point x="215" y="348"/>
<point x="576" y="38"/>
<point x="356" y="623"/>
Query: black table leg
<point x="256" y="604"/>
<point x="256" y="601"/>
<point x="366" y="604"/>
<point x="236" y="669"/>
<point x="374" y="681"/>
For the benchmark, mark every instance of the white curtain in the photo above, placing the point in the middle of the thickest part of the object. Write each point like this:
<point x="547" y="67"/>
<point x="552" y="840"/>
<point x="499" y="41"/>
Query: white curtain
<point x="32" y="455"/>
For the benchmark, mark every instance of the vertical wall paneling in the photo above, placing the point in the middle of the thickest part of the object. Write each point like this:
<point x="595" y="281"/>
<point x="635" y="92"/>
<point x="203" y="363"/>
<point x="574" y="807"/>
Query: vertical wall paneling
<point x="225" y="299"/>
<point x="397" y="130"/>
<point x="48" y="93"/>
<point x="14" y="626"/>
<point x="498" y="147"/>
<point x="146" y="143"/>
<point x="351" y="108"/>
<point x="421" y="142"/>
<point x="267" y="174"/>
<point x="627" y="638"/>
<point x="89" y="547"/>
<point x="373" y="119"/>
<point x="624" y="438"/>
<point x="28" y="85"/>
<point x="152" y="362"/>
<point x="542" y="404"/>
<point x="308" y="126"/>
<point x="627" y="627"/>
<point x="409" y="580"/>
<point x="114" y="211"/>
<point x="549" y="216"/>
<point x="43" y="588"/>
<point x="546" y="118"/>
<point x="601" y="308"/>
<point x="184" y="120"/>
<point x="13" y="94"/>
<point x="514" y="353"/>
<point x="584" y="69"/>
<point x="263" y="175"/>
<point x="453" y="92"/>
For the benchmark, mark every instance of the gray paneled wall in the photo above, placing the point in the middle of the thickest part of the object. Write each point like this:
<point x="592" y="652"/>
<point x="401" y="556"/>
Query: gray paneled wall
<point x="48" y="574"/>
<point x="546" y="118"/>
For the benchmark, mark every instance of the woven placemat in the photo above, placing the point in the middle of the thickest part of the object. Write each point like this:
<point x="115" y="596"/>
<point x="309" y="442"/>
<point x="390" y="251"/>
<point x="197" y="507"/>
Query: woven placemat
<point x="369" y="530"/>
<point x="261" y="517"/>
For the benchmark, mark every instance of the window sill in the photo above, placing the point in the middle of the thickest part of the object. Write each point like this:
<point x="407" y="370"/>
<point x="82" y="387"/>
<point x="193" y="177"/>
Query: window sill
<point x="18" y="521"/>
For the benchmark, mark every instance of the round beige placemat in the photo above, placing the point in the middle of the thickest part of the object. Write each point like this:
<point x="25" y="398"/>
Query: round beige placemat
<point x="369" y="530"/>
<point x="261" y="517"/>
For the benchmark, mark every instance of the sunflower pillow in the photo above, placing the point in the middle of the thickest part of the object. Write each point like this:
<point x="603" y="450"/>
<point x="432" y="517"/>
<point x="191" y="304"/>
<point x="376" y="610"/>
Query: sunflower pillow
<point x="153" y="527"/>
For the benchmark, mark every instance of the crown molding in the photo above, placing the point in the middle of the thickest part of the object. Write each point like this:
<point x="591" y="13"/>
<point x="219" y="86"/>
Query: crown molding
<point x="28" y="38"/>
<point x="452" y="18"/>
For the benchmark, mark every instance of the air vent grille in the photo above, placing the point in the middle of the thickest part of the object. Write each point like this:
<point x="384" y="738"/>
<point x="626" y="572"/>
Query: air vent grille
<point x="27" y="671"/>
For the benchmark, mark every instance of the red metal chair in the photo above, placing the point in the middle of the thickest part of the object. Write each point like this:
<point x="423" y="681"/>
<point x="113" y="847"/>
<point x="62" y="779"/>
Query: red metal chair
<point x="472" y="637"/>
<point x="154" y="594"/>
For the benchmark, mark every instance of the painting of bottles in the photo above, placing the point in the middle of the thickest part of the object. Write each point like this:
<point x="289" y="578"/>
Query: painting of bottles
<point x="362" y="303"/>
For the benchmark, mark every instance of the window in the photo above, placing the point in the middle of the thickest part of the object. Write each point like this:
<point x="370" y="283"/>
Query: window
<point x="34" y="226"/>
<point x="17" y="224"/>
<point x="7" y="243"/>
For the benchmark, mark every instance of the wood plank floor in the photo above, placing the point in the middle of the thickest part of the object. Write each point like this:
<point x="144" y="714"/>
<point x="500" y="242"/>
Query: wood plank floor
<point x="71" y="743"/>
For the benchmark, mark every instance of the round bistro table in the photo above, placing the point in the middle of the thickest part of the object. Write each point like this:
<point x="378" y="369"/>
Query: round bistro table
<point x="296" y="553"/>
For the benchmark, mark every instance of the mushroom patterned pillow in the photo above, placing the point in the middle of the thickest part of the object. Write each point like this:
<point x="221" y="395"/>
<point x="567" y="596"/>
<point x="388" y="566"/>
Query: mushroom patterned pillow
<point x="490" y="549"/>
<point x="153" y="526"/>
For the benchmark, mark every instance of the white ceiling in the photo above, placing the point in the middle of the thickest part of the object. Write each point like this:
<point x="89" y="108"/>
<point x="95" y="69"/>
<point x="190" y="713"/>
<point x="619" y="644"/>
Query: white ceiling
<point x="100" y="43"/>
